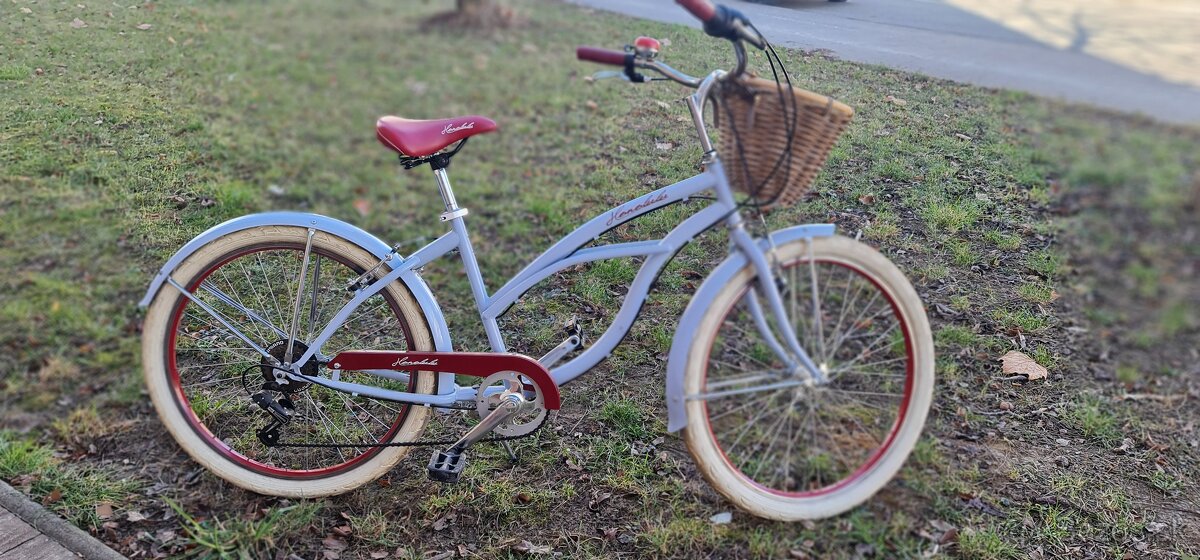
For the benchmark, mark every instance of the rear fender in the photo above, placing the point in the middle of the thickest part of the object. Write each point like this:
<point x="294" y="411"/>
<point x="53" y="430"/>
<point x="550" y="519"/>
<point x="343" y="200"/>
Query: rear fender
<point x="353" y="234"/>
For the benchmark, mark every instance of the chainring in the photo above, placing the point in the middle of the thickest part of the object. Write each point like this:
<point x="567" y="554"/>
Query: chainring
<point x="522" y="423"/>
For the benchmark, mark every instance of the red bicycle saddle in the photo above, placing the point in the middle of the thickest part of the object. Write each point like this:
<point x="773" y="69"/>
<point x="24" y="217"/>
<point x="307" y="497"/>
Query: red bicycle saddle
<point x="421" y="138"/>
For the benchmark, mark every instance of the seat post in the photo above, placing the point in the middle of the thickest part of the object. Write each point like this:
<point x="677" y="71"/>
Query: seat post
<point x="443" y="181"/>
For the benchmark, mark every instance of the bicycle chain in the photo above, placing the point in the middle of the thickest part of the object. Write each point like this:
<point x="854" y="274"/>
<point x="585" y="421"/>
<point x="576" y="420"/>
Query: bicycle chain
<point x="415" y="443"/>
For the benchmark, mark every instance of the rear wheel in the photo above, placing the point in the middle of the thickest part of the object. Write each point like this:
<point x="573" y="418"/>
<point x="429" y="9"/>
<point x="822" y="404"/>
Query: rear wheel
<point x="784" y="449"/>
<point x="201" y="375"/>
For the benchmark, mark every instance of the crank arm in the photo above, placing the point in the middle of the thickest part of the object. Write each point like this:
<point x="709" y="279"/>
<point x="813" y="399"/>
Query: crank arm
<point x="510" y="405"/>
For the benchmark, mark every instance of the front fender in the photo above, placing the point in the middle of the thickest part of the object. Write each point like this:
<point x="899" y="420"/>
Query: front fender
<point x="353" y="234"/>
<point x="690" y="321"/>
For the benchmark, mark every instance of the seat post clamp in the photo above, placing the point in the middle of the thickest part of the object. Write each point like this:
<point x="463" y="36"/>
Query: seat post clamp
<point x="453" y="214"/>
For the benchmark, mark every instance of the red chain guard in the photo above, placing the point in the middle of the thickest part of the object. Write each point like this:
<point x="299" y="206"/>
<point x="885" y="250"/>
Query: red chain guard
<point x="476" y="364"/>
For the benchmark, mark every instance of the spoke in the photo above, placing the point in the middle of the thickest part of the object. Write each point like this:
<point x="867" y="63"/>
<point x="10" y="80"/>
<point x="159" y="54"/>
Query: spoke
<point x="758" y="389"/>
<point x="270" y="289"/>
<point x="325" y="420"/>
<point x="837" y="345"/>
<point x="871" y="348"/>
<point x="750" y="377"/>
<point x="747" y="426"/>
<point x="739" y="408"/>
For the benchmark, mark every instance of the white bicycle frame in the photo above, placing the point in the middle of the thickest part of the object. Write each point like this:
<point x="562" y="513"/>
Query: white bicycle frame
<point x="568" y="252"/>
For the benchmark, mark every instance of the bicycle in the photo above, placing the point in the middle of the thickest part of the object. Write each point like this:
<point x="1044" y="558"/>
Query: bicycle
<point x="800" y="374"/>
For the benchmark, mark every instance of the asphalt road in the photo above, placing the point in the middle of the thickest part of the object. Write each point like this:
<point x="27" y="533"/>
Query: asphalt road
<point x="1138" y="56"/>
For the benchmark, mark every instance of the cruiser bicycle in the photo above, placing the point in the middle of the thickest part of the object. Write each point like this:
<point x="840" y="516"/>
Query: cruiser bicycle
<point x="294" y="354"/>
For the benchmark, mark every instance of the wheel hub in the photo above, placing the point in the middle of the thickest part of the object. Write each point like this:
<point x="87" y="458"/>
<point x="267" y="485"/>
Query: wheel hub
<point x="277" y="351"/>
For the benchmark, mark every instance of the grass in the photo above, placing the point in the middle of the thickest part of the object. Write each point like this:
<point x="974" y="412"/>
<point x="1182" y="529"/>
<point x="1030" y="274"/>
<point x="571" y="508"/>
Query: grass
<point x="242" y="538"/>
<point x="72" y="491"/>
<point x="133" y="141"/>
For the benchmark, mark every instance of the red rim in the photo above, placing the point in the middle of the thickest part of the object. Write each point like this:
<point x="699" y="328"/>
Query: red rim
<point x="895" y="429"/>
<point x="219" y="446"/>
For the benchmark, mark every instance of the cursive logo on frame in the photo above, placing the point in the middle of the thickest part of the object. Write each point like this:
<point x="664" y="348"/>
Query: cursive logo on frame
<point x="450" y="128"/>
<point x="621" y="213"/>
<point x="403" y="361"/>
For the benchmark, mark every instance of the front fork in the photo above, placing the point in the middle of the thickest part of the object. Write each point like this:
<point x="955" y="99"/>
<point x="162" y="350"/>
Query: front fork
<point x="790" y="351"/>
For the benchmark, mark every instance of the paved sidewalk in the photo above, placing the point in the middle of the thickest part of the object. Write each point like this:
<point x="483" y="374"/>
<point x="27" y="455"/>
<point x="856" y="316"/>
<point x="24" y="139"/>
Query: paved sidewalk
<point x="30" y="532"/>
<point x="1131" y="55"/>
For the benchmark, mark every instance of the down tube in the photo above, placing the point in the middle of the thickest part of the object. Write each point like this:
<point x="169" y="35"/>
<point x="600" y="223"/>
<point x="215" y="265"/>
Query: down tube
<point x="674" y="241"/>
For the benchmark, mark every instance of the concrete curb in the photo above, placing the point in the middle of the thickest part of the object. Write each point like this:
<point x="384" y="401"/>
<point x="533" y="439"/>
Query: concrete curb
<point x="69" y="536"/>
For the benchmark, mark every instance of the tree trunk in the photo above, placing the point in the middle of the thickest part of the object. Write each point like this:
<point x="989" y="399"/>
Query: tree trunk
<point x="472" y="7"/>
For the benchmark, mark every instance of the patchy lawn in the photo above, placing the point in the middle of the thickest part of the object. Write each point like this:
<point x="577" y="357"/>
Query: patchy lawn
<point x="1063" y="231"/>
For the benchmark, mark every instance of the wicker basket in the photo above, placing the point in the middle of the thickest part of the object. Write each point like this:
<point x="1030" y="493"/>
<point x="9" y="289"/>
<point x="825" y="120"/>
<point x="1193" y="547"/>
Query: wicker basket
<point x="751" y="110"/>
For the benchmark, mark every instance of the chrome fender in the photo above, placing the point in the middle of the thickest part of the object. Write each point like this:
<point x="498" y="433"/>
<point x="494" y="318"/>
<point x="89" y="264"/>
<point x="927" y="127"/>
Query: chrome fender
<point x="690" y="321"/>
<point x="353" y="234"/>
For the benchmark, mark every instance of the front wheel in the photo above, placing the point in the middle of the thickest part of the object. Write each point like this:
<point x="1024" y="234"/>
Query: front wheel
<point x="779" y="446"/>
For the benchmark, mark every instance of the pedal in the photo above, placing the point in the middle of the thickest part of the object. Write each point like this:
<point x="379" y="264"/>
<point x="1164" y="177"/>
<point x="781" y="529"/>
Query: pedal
<point x="446" y="466"/>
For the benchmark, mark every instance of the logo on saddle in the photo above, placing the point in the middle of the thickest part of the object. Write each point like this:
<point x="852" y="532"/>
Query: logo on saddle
<point x="404" y="361"/>
<point x="450" y="128"/>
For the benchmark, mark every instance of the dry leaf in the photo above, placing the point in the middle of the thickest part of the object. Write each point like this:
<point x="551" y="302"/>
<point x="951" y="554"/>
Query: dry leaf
<point x="664" y="145"/>
<point x="170" y="39"/>
<point x="54" y="496"/>
<point x="530" y="548"/>
<point x="25" y="10"/>
<point x="592" y="105"/>
<point x="342" y="530"/>
<point x="1018" y="363"/>
<point x="135" y="516"/>
<point x="380" y="554"/>
<point x="333" y="543"/>
<point x="895" y="100"/>
<point x="144" y="26"/>
<point x="363" y="206"/>
<point x="962" y="136"/>
<point x="78" y="23"/>
<point x="104" y="511"/>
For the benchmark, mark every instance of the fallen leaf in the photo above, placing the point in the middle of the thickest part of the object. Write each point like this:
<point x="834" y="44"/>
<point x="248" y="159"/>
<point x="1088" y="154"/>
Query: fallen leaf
<point x="342" y="530"/>
<point x="1018" y="363"/>
<point x="54" y="496"/>
<point x="104" y="511"/>
<point x="523" y="498"/>
<point x="962" y="136"/>
<point x="170" y="39"/>
<point x="135" y="516"/>
<point x="663" y="104"/>
<point x="25" y="10"/>
<point x="78" y="23"/>
<point x="895" y="100"/>
<point x="592" y="105"/>
<point x="598" y="499"/>
<point x="363" y="206"/>
<point x="333" y="543"/>
<point x="867" y="199"/>
<point x="530" y="548"/>
<point x="664" y="145"/>
<point x="380" y="554"/>
<point x="144" y="26"/>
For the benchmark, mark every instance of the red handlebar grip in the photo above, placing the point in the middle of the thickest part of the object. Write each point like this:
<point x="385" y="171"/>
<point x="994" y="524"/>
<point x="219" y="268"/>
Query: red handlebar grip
<point x="602" y="56"/>
<point x="703" y="9"/>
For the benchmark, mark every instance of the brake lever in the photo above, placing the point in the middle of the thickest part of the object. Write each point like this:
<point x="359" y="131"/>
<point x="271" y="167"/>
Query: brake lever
<point x="606" y="74"/>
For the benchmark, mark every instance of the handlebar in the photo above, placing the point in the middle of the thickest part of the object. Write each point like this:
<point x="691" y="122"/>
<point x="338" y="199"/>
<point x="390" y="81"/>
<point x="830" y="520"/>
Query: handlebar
<point x="719" y="21"/>
<point x="704" y="10"/>
<point x="602" y="56"/>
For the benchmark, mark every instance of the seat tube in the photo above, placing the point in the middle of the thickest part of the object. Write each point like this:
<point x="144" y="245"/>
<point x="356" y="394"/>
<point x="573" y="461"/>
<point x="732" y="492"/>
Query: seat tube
<point x="466" y="251"/>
